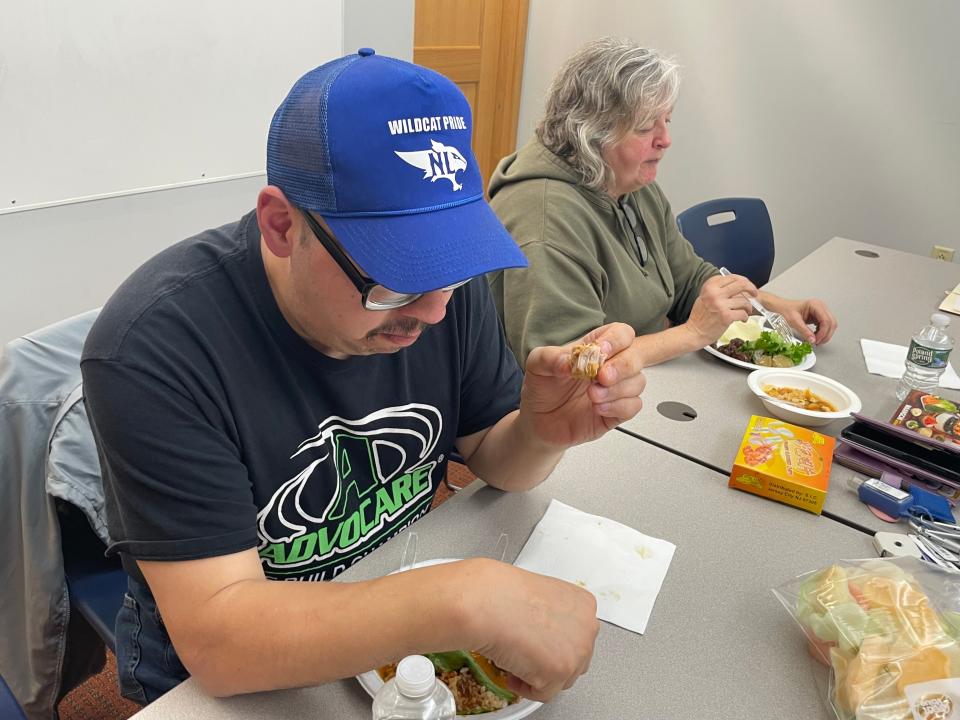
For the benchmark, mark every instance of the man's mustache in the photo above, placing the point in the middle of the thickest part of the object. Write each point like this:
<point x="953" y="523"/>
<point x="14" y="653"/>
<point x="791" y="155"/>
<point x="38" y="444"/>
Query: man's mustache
<point x="403" y="326"/>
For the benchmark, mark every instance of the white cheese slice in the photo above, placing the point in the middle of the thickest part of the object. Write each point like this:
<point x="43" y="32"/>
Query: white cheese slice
<point x="747" y="330"/>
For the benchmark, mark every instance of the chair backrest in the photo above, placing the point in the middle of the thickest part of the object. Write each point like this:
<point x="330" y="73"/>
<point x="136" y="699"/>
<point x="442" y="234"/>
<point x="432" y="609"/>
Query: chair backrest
<point x="9" y="707"/>
<point x="48" y="457"/>
<point x="96" y="584"/>
<point x="732" y="232"/>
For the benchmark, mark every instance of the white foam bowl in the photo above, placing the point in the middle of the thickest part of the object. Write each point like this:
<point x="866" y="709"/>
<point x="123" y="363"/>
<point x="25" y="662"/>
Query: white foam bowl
<point x="840" y="396"/>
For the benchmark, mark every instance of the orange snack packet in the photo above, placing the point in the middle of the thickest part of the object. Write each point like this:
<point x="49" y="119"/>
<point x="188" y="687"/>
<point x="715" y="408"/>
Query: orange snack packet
<point x="784" y="462"/>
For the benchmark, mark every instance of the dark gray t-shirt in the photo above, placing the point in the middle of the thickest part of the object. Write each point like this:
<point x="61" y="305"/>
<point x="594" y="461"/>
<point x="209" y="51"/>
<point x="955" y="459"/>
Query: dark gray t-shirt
<point x="220" y="429"/>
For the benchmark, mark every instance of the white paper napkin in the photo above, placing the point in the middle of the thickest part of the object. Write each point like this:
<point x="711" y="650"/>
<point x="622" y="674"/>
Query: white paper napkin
<point x="623" y="568"/>
<point x="887" y="360"/>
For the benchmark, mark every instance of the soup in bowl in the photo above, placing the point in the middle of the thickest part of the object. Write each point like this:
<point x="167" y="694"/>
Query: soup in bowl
<point x="802" y="398"/>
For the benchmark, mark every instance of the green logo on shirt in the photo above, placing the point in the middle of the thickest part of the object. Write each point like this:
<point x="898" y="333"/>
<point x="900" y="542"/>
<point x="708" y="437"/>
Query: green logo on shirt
<point x="376" y="491"/>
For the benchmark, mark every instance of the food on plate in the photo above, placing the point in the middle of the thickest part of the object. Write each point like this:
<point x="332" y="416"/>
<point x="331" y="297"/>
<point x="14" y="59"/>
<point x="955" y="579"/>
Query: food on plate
<point x="878" y="631"/>
<point x="769" y="350"/>
<point x="477" y="684"/>
<point x="585" y="361"/>
<point x="737" y="349"/>
<point x="800" y="397"/>
<point x="748" y="329"/>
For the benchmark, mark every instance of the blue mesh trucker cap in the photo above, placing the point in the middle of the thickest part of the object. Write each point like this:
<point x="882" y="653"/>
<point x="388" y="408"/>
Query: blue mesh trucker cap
<point x="380" y="148"/>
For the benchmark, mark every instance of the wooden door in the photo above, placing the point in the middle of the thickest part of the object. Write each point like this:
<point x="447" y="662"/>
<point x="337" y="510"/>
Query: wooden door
<point x="479" y="45"/>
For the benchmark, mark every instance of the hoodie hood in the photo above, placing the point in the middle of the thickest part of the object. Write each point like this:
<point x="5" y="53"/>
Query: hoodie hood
<point x="535" y="162"/>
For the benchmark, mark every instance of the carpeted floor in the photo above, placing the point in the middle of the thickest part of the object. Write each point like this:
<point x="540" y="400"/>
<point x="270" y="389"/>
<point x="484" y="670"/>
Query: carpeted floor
<point x="99" y="698"/>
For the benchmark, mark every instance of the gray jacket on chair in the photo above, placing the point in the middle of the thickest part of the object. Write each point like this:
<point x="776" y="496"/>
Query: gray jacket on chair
<point x="46" y="452"/>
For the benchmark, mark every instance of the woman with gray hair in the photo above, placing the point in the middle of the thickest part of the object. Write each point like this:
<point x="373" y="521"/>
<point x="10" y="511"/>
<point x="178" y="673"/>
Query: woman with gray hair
<point x="582" y="202"/>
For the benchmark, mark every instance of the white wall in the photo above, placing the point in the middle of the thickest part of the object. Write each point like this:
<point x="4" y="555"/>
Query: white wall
<point x="385" y="26"/>
<point x="61" y="260"/>
<point x="105" y="96"/>
<point x="843" y="115"/>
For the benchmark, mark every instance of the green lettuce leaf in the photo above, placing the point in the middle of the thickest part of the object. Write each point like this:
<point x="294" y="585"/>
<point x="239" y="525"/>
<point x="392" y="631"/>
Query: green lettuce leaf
<point x="772" y="344"/>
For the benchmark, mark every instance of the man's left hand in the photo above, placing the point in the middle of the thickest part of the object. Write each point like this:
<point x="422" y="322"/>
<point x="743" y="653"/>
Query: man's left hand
<point x="565" y="411"/>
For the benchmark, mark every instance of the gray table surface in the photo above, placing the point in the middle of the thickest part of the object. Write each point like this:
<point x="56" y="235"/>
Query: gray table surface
<point x="886" y="298"/>
<point x="718" y="643"/>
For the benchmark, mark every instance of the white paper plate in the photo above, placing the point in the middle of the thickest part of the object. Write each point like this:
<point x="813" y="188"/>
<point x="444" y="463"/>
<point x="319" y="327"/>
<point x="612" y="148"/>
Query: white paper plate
<point x="808" y="362"/>
<point x="371" y="682"/>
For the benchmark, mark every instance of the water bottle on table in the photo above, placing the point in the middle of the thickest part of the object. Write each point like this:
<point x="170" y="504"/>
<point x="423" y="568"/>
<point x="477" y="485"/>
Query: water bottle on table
<point x="926" y="357"/>
<point x="414" y="693"/>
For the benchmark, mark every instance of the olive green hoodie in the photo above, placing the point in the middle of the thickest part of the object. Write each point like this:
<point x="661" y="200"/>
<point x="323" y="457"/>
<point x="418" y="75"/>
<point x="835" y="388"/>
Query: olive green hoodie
<point x="585" y="268"/>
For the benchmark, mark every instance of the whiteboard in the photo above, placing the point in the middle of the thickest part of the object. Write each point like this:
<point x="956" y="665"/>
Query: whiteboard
<point x="104" y="97"/>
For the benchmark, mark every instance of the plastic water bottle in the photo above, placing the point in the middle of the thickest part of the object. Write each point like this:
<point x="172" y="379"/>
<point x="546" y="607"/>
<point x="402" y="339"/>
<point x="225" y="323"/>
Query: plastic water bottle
<point x="927" y="357"/>
<point x="414" y="694"/>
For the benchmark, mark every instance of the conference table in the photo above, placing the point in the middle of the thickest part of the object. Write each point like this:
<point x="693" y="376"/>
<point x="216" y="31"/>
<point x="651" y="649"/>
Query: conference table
<point x="718" y="644"/>
<point x="875" y="293"/>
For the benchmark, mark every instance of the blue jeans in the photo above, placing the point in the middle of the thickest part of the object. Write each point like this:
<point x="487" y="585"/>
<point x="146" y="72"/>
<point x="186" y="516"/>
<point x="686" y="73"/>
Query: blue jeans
<point x="147" y="664"/>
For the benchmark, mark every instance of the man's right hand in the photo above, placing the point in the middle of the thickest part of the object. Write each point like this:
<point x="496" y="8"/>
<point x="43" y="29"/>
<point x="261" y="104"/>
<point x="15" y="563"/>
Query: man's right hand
<point x="540" y="629"/>
<point x="721" y="302"/>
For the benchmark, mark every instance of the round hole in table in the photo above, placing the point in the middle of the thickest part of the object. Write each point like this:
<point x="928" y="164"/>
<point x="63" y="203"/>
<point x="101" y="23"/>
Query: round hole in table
<point x="867" y="253"/>
<point x="677" y="411"/>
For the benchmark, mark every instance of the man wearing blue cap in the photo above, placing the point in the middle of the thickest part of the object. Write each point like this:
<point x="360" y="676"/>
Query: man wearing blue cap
<point x="275" y="398"/>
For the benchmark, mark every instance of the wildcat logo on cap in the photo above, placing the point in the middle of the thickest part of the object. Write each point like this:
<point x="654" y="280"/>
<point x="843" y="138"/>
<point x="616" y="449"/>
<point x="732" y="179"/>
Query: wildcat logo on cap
<point x="440" y="161"/>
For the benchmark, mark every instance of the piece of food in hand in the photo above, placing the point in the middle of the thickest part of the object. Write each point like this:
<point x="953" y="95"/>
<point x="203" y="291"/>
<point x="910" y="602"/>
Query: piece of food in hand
<point x="585" y="361"/>
<point x="477" y="684"/>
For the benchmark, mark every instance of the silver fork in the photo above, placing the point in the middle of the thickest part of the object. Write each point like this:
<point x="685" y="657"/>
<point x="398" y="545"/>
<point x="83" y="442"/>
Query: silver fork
<point x="775" y="320"/>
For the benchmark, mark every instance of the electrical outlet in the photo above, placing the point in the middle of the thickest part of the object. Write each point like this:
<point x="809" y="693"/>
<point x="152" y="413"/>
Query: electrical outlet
<point x="940" y="252"/>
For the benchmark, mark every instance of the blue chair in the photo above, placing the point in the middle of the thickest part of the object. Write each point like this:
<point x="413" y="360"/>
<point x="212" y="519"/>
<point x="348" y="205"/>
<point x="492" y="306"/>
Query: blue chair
<point x="741" y="238"/>
<point x="9" y="707"/>
<point x="95" y="583"/>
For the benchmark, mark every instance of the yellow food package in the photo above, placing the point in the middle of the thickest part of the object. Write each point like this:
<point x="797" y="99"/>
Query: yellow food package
<point x="784" y="462"/>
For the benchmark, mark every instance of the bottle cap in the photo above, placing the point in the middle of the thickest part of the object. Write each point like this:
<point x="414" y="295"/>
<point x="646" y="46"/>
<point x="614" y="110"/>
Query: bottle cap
<point x="415" y="676"/>
<point x="940" y="320"/>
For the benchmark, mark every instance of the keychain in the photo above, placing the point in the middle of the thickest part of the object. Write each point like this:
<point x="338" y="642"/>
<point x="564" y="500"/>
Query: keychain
<point x="935" y="536"/>
<point x="914" y="503"/>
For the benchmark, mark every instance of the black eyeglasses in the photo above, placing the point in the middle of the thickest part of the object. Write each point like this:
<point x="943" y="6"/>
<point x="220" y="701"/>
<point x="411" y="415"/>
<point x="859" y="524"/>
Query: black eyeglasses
<point x="636" y="227"/>
<point x="373" y="295"/>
